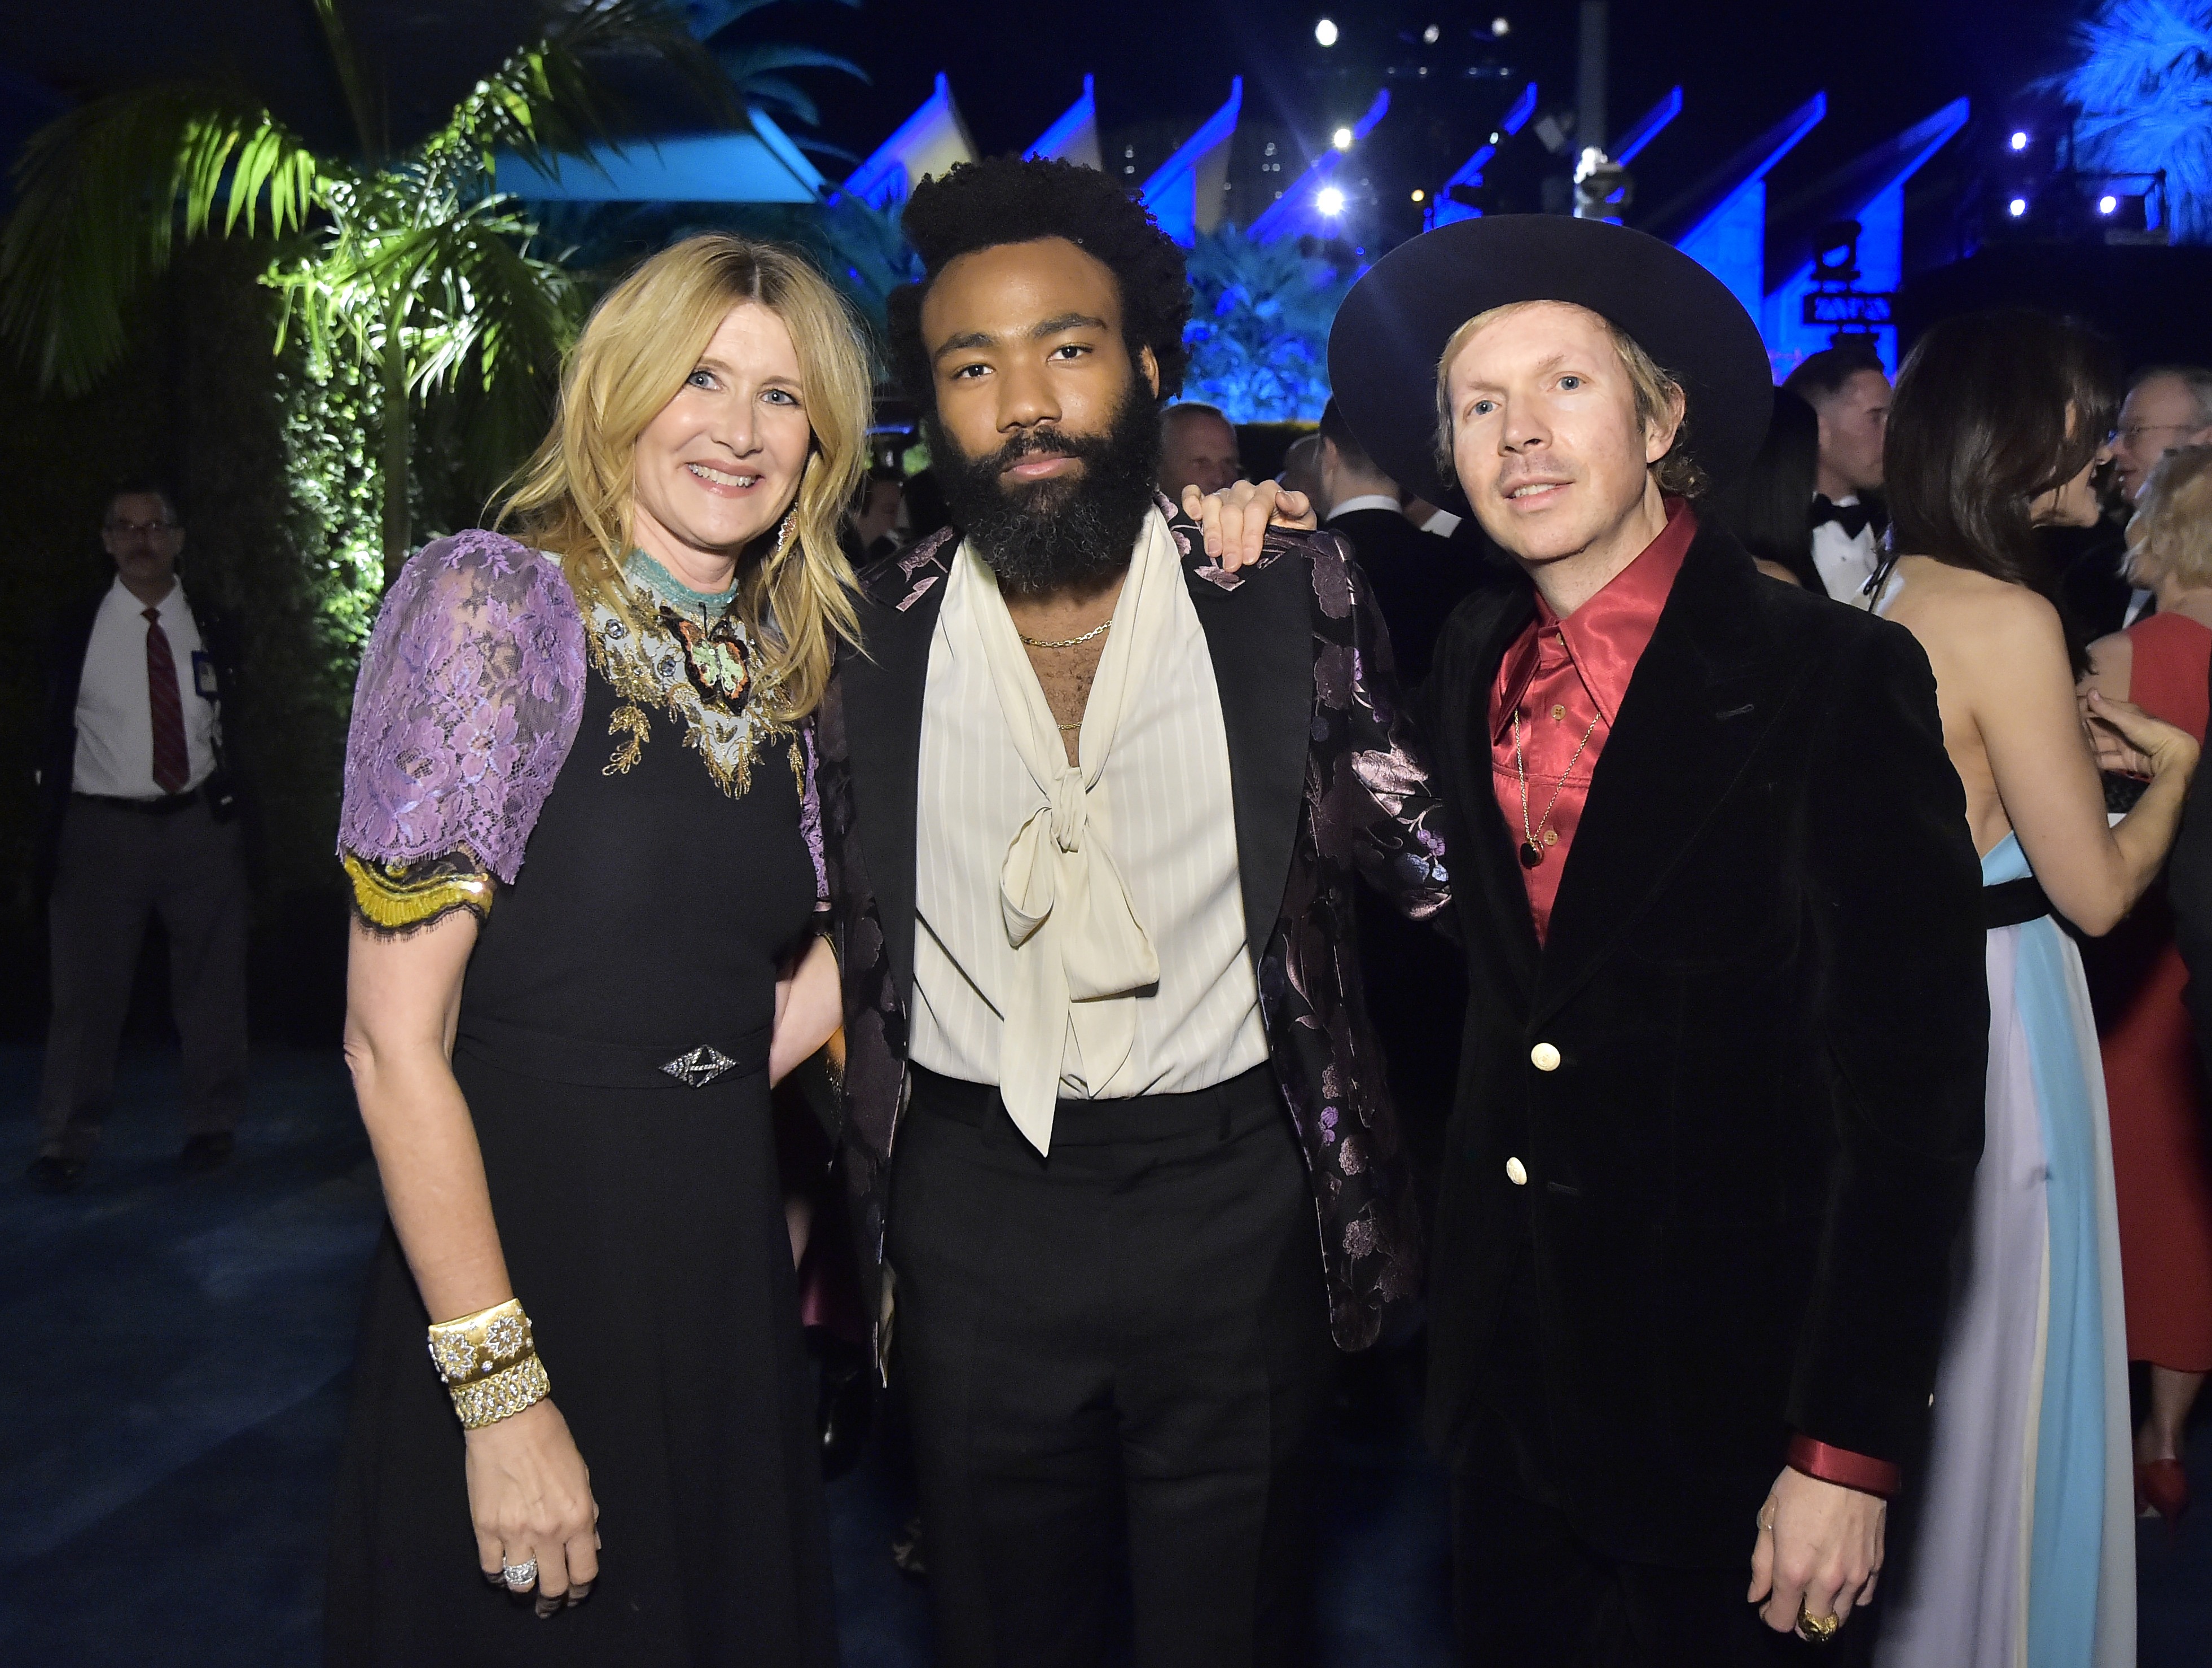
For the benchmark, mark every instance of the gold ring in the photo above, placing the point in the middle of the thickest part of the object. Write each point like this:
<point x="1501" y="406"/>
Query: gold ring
<point x="1816" y="1629"/>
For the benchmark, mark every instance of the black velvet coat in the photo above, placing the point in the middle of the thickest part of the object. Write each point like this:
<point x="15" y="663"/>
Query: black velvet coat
<point x="1764" y="981"/>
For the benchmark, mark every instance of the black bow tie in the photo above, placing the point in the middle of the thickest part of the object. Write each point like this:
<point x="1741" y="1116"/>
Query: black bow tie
<point x="1853" y="519"/>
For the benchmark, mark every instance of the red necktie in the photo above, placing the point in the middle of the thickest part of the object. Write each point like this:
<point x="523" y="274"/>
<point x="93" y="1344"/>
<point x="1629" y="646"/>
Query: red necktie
<point x="173" y="765"/>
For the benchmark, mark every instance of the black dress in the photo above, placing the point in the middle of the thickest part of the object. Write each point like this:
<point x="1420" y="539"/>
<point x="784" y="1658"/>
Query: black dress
<point x="643" y="1228"/>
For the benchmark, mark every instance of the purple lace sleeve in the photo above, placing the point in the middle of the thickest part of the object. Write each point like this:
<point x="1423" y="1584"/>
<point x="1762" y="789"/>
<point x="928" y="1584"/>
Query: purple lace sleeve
<point x="468" y="702"/>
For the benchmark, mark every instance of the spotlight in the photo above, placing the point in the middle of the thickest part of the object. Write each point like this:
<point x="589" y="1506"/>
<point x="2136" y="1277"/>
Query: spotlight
<point x="2107" y="204"/>
<point x="2017" y="207"/>
<point x="1341" y="138"/>
<point x="1499" y="26"/>
<point x="1325" y="31"/>
<point x="1419" y="196"/>
<point x="2020" y="141"/>
<point x="1432" y="34"/>
<point x="1329" y="200"/>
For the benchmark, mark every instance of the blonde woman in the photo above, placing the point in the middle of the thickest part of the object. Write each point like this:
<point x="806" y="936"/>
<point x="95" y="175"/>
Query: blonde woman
<point x="583" y="842"/>
<point x="2152" y="1078"/>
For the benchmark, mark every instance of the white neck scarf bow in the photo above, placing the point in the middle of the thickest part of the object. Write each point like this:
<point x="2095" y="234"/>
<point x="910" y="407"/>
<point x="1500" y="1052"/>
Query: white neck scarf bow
<point x="1083" y="955"/>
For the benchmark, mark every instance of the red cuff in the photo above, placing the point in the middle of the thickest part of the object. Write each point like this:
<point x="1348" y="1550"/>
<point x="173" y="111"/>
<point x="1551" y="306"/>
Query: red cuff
<point x="1843" y="1467"/>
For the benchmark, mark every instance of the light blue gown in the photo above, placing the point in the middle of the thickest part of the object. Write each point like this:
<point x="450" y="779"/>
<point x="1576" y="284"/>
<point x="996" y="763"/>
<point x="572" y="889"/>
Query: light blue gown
<point x="2025" y="1555"/>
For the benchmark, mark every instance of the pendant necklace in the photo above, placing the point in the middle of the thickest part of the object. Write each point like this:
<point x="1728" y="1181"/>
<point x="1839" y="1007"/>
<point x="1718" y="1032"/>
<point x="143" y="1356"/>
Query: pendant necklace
<point x="1532" y="845"/>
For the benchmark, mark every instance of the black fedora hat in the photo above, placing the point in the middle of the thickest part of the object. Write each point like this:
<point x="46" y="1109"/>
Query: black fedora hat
<point x="1392" y="328"/>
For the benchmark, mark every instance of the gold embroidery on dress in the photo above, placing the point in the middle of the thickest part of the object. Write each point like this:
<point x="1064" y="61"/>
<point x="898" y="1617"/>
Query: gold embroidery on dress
<point x="702" y="673"/>
<point x="630" y="720"/>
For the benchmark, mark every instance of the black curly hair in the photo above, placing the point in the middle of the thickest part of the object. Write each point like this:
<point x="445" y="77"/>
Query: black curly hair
<point x="1011" y="199"/>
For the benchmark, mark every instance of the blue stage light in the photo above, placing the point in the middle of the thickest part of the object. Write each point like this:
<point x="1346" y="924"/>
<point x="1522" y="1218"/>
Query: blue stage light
<point x="1325" y="31"/>
<point x="2017" y="207"/>
<point x="1329" y="200"/>
<point x="2020" y="141"/>
<point x="2107" y="204"/>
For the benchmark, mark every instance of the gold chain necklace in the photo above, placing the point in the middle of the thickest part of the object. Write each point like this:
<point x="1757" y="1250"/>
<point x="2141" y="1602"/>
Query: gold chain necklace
<point x="1065" y="642"/>
<point x="1532" y="848"/>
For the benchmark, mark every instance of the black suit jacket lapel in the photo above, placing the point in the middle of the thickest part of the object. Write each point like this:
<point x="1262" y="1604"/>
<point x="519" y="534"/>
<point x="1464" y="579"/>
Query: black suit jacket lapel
<point x="1704" y="692"/>
<point x="1484" y="865"/>
<point x="1260" y="638"/>
<point x="884" y="689"/>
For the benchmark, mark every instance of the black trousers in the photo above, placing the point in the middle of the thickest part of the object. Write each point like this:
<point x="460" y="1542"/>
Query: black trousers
<point x="1528" y="1592"/>
<point x="116" y="866"/>
<point x="1115" y="1356"/>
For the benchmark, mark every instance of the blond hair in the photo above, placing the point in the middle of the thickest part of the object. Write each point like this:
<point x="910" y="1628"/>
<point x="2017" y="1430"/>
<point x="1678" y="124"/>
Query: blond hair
<point x="2170" y="535"/>
<point x="574" y="497"/>
<point x="1659" y="398"/>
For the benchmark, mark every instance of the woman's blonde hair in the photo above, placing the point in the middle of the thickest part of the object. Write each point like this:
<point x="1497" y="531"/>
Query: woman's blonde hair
<point x="573" y="497"/>
<point x="1659" y="399"/>
<point x="2171" y="531"/>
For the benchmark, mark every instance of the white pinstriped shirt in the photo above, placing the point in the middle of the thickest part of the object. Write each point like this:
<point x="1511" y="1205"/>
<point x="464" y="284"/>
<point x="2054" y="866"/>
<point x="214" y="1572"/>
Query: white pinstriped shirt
<point x="1164" y="804"/>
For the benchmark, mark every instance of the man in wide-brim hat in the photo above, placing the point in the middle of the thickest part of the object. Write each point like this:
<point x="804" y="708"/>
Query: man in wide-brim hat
<point x="1720" y="1101"/>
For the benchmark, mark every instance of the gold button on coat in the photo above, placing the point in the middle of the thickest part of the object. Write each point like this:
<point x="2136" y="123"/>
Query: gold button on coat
<point x="1516" y="1173"/>
<point x="1543" y="1056"/>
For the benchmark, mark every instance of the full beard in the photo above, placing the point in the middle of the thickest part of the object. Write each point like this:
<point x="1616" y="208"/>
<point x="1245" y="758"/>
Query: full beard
<point x="1044" y="535"/>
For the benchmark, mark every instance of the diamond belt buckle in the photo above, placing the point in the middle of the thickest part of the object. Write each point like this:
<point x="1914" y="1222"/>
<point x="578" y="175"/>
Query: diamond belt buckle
<point x="700" y="1067"/>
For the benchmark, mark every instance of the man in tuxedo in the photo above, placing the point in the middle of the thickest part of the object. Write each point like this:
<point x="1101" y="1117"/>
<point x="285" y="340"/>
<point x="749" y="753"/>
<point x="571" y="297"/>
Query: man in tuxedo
<point x="1848" y="388"/>
<point x="1720" y="1082"/>
<point x="1417" y="576"/>
<point x="1092" y="807"/>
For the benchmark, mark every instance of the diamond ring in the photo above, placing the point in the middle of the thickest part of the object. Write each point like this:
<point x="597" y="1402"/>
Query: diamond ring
<point x="521" y="1577"/>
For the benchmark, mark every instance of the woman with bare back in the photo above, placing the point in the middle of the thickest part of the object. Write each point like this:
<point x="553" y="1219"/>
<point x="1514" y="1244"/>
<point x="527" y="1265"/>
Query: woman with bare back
<point x="2025" y="1530"/>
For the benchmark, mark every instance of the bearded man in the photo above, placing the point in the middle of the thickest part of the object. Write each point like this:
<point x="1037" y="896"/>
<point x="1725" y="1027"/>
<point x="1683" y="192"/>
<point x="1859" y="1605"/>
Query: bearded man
<point x="1092" y="808"/>
<point x="1720" y="1095"/>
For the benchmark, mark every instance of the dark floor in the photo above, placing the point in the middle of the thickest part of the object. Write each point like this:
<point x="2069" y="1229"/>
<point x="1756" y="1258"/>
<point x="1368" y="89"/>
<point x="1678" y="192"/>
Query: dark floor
<point x="173" y="1362"/>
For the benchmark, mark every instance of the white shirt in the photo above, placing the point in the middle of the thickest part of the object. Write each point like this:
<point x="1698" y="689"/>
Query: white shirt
<point x="114" y="715"/>
<point x="1366" y="501"/>
<point x="1844" y="563"/>
<point x="1443" y="523"/>
<point x="1162" y="804"/>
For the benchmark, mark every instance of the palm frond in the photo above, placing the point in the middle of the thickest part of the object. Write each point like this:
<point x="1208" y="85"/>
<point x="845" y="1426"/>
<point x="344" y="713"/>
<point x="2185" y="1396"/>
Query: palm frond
<point x="99" y="194"/>
<point x="708" y="18"/>
<point x="741" y="62"/>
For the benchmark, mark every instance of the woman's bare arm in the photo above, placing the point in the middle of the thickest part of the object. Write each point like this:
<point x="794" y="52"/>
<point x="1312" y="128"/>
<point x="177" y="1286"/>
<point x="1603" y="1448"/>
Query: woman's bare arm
<point x="808" y="1010"/>
<point x="530" y="1494"/>
<point x="2112" y="667"/>
<point x="403" y="997"/>
<point x="2024" y="705"/>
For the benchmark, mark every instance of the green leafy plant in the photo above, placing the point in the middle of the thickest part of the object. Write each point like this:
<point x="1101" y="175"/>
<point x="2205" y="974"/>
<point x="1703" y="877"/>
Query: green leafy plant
<point x="413" y="264"/>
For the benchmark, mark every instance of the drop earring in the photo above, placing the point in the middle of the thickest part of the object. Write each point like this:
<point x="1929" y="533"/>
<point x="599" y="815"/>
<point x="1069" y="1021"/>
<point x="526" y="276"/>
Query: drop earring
<point x="783" y="531"/>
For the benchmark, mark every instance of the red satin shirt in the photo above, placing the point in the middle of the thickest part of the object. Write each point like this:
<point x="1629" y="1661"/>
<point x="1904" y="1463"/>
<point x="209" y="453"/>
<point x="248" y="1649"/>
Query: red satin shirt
<point x="1565" y="679"/>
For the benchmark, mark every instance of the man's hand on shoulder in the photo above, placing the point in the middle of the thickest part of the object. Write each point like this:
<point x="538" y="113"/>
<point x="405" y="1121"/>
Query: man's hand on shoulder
<point x="1819" y="1550"/>
<point x="1235" y="521"/>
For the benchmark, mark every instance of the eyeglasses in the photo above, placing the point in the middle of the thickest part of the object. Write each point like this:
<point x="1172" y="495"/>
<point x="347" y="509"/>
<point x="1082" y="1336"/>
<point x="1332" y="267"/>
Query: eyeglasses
<point x="141" y="529"/>
<point x="2137" y="431"/>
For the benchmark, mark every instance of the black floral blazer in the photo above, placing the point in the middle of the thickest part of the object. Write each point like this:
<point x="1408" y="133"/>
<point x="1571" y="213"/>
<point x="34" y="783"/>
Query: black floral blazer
<point x="1326" y="783"/>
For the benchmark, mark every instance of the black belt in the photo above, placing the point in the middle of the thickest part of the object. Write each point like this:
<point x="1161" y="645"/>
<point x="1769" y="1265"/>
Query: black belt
<point x="555" y="1057"/>
<point x="2014" y="903"/>
<point x="167" y="805"/>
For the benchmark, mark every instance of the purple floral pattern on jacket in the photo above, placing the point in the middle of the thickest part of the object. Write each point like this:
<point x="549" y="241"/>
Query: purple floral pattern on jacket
<point x="1368" y="809"/>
